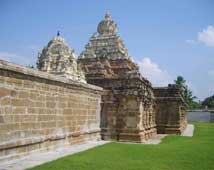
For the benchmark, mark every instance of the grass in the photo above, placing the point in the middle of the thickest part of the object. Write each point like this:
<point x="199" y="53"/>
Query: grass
<point x="174" y="153"/>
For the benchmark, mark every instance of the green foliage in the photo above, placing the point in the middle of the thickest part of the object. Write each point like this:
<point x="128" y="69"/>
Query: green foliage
<point x="189" y="98"/>
<point x="194" y="105"/>
<point x="180" y="81"/>
<point x="186" y="93"/>
<point x="30" y="66"/>
<point x="173" y="153"/>
<point x="209" y="102"/>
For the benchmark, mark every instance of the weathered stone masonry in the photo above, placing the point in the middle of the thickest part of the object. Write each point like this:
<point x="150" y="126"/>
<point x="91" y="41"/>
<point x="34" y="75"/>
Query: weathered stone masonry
<point x="170" y="109"/>
<point x="39" y="111"/>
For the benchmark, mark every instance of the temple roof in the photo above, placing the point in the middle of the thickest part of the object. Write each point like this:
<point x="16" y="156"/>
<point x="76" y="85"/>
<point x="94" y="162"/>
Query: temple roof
<point x="57" y="46"/>
<point x="57" y="58"/>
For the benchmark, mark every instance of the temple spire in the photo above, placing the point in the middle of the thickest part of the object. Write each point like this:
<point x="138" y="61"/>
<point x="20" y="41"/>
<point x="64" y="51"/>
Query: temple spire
<point x="107" y="16"/>
<point x="58" y="33"/>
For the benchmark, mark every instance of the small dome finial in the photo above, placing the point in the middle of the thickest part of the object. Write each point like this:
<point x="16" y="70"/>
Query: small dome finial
<point x="58" y="37"/>
<point x="107" y="16"/>
<point x="107" y="25"/>
<point x="58" y="33"/>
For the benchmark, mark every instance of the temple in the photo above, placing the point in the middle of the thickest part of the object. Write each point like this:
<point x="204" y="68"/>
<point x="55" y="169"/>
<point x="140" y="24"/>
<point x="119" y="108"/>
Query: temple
<point x="69" y="100"/>
<point x="131" y="109"/>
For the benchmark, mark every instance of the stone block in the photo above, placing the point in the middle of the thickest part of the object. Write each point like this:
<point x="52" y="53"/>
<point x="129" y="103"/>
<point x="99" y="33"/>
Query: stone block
<point x="19" y="110"/>
<point x="4" y="92"/>
<point x="23" y="94"/>
<point x="15" y="81"/>
<point x="131" y="122"/>
<point x="6" y="101"/>
<point x="19" y="102"/>
<point x="51" y="104"/>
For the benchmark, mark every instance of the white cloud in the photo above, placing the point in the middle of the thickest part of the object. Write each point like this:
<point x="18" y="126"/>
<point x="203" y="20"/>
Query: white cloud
<point x="11" y="57"/>
<point x="191" y="42"/>
<point x="207" y="36"/>
<point x="7" y="56"/>
<point x="211" y="72"/>
<point x="152" y="72"/>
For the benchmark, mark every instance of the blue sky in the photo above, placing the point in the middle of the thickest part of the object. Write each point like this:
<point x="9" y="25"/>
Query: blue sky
<point x="166" y="37"/>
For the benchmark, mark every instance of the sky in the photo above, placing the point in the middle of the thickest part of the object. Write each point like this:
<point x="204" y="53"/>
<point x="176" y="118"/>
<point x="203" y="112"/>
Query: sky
<point x="166" y="38"/>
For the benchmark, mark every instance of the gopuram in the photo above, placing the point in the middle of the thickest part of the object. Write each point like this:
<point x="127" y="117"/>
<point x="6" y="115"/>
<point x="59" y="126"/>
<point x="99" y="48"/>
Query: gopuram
<point x="131" y="109"/>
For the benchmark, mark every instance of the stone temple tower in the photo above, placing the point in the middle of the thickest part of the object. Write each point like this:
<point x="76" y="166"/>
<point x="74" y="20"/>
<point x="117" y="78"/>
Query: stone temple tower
<point x="127" y="103"/>
<point x="106" y="43"/>
<point x="57" y="58"/>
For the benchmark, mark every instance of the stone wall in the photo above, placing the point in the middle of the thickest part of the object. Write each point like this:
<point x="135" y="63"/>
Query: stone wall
<point x="39" y="111"/>
<point x="170" y="110"/>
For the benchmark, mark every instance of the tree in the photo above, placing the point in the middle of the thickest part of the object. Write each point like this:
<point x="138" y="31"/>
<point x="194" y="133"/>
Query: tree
<point x="186" y="92"/>
<point x="188" y="96"/>
<point x="180" y="81"/>
<point x="209" y="102"/>
<point x="195" y="105"/>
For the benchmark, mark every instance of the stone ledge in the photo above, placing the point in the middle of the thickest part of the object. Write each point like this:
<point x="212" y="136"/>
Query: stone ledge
<point x="4" y="65"/>
<point x="79" y="133"/>
<point x="40" y="157"/>
<point x="40" y="139"/>
<point x="175" y="98"/>
<point x="188" y="131"/>
<point x="169" y="125"/>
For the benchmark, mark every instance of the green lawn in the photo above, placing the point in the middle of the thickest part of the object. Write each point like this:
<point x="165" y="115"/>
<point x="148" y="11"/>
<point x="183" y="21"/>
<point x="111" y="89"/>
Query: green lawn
<point x="174" y="153"/>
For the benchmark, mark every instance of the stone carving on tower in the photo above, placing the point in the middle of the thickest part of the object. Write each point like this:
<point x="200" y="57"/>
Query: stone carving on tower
<point x="57" y="58"/>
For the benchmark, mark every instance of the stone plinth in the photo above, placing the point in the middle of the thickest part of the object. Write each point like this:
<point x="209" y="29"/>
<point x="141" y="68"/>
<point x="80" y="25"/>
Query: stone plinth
<point x="170" y="110"/>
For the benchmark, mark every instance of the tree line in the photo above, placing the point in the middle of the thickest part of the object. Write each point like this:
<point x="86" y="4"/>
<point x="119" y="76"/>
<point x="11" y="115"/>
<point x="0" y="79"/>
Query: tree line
<point x="190" y="99"/>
